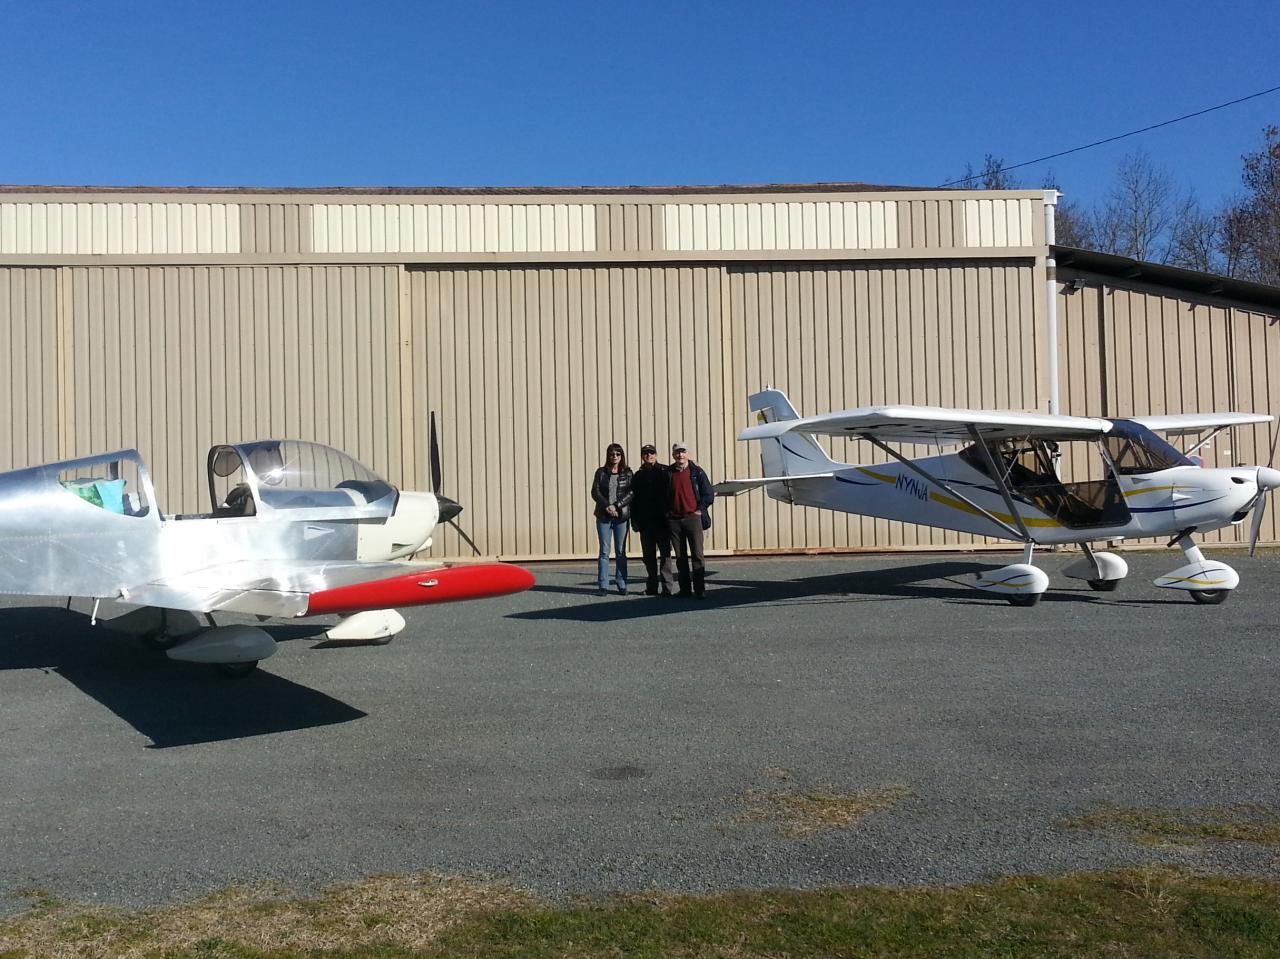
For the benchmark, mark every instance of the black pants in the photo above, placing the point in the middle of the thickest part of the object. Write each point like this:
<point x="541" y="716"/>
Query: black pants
<point x="686" y="541"/>
<point x="655" y="542"/>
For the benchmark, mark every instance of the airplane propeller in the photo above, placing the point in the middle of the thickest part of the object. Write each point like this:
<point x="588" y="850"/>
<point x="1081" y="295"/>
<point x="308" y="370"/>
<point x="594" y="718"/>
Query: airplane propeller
<point x="449" y="508"/>
<point x="1268" y="479"/>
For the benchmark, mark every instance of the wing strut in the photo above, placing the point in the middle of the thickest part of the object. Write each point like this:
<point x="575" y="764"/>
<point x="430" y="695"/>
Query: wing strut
<point x="909" y="464"/>
<point x="1001" y="482"/>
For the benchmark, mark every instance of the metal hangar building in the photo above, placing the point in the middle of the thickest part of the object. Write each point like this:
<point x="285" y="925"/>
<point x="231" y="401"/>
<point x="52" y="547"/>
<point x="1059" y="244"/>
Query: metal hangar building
<point x="541" y="324"/>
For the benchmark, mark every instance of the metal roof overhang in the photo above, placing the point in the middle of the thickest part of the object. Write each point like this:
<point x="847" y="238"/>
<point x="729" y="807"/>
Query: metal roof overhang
<point x="1259" y="296"/>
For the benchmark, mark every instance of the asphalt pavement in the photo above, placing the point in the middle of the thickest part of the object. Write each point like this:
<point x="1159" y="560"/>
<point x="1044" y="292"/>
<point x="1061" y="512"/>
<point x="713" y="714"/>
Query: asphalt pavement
<point x="575" y="744"/>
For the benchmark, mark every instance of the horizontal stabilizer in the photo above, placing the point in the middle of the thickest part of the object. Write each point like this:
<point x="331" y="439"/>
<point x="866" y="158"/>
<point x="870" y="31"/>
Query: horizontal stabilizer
<point x="734" y="487"/>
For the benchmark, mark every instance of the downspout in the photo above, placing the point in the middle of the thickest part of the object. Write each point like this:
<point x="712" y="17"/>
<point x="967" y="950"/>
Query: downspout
<point x="1051" y="297"/>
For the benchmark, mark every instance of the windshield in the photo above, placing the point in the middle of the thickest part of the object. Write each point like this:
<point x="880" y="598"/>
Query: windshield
<point x="1135" y="449"/>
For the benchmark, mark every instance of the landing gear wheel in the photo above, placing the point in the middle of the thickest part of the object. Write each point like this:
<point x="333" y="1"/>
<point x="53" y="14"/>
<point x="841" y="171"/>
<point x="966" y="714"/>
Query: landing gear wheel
<point x="1023" y="599"/>
<point x="1210" y="597"/>
<point x="1103" y="585"/>
<point x="236" y="670"/>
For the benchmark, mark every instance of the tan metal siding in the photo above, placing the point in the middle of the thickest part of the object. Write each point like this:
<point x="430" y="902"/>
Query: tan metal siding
<point x="842" y="336"/>
<point x="174" y="359"/>
<point x="28" y="366"/>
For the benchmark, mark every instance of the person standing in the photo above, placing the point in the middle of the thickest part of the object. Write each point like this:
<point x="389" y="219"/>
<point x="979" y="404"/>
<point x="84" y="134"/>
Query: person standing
<point x="611" y="491"/>
<point x="651" y="487"/>
<point x="689" y="514"/>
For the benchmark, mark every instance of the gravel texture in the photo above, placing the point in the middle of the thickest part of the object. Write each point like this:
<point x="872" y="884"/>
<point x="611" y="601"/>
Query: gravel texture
<point x="578" y="745"/>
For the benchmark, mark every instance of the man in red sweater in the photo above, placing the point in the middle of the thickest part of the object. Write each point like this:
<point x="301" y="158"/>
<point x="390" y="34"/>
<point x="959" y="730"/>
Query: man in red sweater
<point x="689" y="516"/>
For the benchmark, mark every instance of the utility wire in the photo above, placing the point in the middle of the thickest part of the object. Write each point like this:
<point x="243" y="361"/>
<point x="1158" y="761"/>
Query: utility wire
<point x="1131" y="133"/>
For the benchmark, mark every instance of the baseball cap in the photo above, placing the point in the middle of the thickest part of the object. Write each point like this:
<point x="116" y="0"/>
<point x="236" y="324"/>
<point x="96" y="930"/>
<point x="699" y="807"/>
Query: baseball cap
<point x="679" y="446"/>
<point x="648" y="448"/>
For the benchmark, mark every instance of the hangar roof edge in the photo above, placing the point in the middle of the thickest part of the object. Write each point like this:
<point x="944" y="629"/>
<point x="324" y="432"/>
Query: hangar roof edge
<point x="1193" y="281"/>
<point x="478" y="191"/>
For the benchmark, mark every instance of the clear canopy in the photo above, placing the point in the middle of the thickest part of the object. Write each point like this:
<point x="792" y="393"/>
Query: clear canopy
<point x="293" y="474"/>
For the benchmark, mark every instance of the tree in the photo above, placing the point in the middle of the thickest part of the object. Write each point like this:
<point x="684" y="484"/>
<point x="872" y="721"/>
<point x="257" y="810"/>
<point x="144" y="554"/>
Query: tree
<point x="1253" y="225"/>
<point x="992" y="176"/>
<point x="1139" y="215"/>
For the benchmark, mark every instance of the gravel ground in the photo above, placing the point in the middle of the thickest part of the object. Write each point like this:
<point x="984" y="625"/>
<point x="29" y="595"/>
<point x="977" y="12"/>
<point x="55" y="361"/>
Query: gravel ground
<point x="575" y="744"/>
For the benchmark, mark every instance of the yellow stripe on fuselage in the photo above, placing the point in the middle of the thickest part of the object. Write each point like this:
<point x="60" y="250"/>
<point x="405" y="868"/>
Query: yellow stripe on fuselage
<point x="1159" y="489"/>
<point x="1030" y="521"/>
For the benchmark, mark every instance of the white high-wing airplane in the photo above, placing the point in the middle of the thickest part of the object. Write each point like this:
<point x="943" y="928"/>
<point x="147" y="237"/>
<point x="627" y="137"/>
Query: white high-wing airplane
<point x="1004" y="482"/>
<point x="294" y="529"/>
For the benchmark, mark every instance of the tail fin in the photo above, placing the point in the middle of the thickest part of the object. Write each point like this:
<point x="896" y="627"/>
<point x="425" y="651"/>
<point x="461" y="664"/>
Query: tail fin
<point x="794" y="453"/>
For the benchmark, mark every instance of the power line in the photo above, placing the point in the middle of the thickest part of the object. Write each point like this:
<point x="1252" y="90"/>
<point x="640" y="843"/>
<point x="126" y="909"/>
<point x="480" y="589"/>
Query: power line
<point x="1131" y="133"/>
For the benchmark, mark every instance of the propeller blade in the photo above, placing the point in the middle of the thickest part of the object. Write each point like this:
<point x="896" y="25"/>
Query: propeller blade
<point x="435" y="456"/>
<point x="1275" y="435"/>
<point x="1259" y="511"/>
<point x="465" y="538"/>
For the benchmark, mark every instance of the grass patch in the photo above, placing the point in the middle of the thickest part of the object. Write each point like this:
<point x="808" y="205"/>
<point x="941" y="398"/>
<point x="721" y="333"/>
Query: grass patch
<point x="360" y="919"/>
<point x="1252" y="823"/>
<point x="1152" y="912"/>
<point x="808" y="812"/>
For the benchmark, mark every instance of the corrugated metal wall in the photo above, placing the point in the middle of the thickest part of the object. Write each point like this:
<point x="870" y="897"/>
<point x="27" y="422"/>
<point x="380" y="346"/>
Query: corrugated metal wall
<point x="834" y="337"/>
<point x="175" y="359"/>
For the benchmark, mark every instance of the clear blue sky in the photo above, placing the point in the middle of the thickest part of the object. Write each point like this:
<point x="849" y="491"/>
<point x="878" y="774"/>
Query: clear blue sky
<point x="424" y="94"/>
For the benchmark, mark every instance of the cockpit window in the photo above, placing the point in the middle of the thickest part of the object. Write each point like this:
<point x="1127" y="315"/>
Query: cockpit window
<point x="1135" y="449"/>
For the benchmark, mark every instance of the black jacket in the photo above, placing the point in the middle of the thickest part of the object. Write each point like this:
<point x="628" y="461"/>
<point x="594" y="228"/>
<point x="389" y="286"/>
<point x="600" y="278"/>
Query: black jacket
<point x="651" y="487"/>
<point x="702" y="492"/>
<point x="600" y="492"/>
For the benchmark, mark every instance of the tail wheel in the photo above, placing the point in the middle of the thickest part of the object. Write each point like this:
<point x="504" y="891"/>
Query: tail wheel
<point x="1210" y="597"/>
<point x="1103" y="585"/>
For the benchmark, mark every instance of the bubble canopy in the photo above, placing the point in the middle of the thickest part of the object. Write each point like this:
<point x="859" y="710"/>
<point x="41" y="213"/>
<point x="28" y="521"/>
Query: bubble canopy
<point x="297" y="475"/>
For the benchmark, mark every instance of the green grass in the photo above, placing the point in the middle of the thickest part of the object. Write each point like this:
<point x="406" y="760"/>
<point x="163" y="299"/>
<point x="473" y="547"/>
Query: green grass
<point x="1146" y="912"/>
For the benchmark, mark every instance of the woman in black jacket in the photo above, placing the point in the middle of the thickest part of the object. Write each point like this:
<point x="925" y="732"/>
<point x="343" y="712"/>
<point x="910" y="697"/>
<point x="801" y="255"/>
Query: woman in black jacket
<point x="611" y="491"/>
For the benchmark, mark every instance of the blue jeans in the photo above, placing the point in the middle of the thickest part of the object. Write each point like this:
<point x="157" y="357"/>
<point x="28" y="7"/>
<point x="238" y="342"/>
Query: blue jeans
<point x="615" y="530"/>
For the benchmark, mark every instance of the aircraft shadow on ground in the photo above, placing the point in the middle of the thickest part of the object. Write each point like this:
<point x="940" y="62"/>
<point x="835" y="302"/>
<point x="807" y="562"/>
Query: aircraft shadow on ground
<point x="938" y="581"/>
<point x="172" y="703"/>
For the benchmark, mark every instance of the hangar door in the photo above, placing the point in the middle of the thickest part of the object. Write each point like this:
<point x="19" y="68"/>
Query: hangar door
<point x="533" y="371"/>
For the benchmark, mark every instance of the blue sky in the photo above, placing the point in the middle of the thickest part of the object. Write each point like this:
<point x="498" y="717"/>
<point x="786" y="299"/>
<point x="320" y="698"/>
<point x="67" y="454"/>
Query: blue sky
<point x="512" y="94"/>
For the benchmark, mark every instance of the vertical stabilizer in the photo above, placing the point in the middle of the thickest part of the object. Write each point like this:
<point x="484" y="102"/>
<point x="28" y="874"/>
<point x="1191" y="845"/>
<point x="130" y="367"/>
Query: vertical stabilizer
<point x="793" y="453"/>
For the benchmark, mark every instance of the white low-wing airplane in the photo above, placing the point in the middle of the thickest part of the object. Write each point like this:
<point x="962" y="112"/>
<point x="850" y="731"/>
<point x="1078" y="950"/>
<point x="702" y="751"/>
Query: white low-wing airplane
<point x="1004" y="482"/>
<point x="295" y="529"/>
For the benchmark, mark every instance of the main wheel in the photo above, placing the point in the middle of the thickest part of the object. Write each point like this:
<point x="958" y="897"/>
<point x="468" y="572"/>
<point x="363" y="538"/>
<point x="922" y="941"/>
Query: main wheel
<point x="236" y="670"/>
<point x="1210" y="597"/>
<point x="1023" y="599"/>
<point x="1103" y="585"/>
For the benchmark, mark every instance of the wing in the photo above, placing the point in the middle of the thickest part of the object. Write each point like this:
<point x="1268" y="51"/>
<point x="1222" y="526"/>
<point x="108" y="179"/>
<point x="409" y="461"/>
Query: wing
<point x="734" y="487"/>
<point x="933" y="425"/>
<point x="295" y="588"/>
<point x="1190" y="423"/>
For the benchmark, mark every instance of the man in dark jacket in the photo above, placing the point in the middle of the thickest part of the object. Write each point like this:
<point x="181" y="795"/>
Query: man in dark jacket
<point x="688" y="513"/>
<point x="650" y="498"/>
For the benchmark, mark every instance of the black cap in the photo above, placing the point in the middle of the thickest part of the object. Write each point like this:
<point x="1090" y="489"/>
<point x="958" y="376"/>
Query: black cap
<point x="648" y="448"/>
